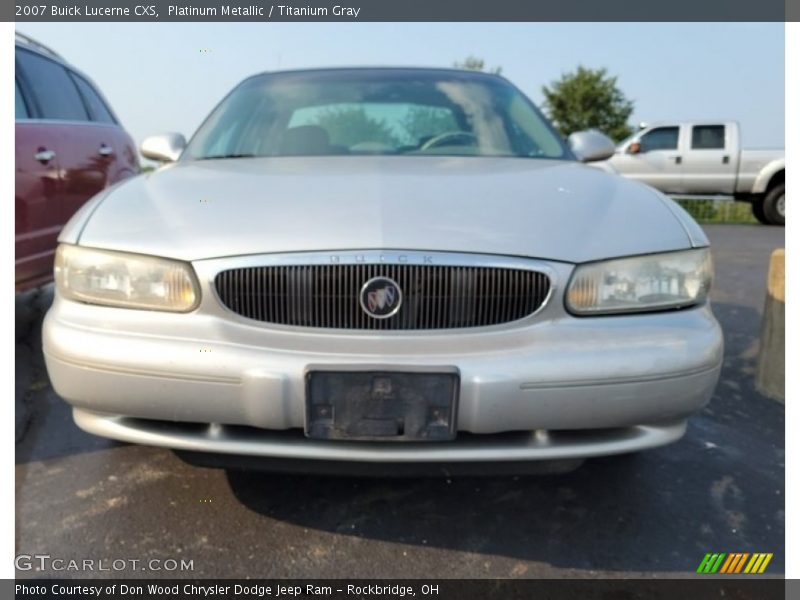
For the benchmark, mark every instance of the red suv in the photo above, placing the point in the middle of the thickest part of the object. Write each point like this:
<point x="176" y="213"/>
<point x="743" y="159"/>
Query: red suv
<point x="69" y="146"/>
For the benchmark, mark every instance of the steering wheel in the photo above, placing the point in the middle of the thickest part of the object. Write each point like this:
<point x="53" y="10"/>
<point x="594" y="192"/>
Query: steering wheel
<point x="448" y="136"/>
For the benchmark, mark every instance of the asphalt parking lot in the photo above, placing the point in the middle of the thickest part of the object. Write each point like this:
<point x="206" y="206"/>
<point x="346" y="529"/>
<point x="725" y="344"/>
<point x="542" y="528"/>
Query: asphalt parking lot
<point x="721" y="488"/>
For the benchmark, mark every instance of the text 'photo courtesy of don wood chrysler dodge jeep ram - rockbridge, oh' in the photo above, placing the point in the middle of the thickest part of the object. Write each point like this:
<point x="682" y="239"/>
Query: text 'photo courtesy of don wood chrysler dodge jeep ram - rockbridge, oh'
<point x="383" y="265"/>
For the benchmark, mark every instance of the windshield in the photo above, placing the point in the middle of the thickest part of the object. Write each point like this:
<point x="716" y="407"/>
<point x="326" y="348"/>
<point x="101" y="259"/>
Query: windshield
<point x="383" y="112"/>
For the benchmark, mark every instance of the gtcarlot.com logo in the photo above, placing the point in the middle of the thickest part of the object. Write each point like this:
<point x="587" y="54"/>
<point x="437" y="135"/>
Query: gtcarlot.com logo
<point x="734" y="562"/>
<point x="46" y="562"/>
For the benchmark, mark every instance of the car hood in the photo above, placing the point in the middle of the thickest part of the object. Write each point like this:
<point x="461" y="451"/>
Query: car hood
<point x="509" y="206"/>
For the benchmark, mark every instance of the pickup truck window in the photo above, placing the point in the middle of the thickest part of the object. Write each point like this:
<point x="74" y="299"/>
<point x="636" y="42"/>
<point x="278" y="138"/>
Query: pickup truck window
<point x="660" y="138"/>
<point x="708" y="137"/>
<point x="53" y="90"/>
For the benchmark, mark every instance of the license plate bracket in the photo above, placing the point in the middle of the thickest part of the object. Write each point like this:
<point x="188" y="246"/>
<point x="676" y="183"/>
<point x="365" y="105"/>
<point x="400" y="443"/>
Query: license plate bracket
<point x="389" y="406"/>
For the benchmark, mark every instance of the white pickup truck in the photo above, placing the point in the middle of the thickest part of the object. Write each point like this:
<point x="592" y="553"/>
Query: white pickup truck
<point x="704" y="158"/>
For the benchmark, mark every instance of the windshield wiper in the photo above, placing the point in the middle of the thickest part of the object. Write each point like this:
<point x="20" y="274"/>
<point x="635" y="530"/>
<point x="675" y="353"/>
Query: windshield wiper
<point x="215" y="156"/>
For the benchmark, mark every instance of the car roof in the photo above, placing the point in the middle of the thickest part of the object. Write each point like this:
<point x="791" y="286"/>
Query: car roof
<point x="22" y="40"/>
<point x="30" y="44"/>
<point x="372" y="70"/>
<point x="678" y="122"/>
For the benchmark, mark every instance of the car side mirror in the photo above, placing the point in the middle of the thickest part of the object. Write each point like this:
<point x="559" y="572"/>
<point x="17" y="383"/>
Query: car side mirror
<point x="590" y="146"/>
<point x="166" y="147"/>
<point x="635" y="148"/>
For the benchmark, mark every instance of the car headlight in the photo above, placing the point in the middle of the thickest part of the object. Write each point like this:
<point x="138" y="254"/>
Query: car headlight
<point x="126" y="280"/>
<point x="641" y="283"/>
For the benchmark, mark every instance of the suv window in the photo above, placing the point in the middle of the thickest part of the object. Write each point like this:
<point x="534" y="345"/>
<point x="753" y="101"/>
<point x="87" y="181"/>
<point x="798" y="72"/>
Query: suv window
<point x="20" y="108"/>
<point x="708" y="137"/>
<point x="54" y="92"/>
<point x="97" y="108"/>
<point x="661" y="138"/>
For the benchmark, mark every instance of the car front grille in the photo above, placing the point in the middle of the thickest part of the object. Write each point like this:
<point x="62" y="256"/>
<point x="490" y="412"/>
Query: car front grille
<point x="433" y="297"/>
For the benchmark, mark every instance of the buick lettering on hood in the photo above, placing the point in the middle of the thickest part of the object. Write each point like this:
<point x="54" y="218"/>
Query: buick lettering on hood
<point x="383" y="267"/>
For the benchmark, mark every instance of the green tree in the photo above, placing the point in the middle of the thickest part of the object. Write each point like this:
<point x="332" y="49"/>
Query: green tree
<point x="588" y="99"/>
<point x="473" y="63"/>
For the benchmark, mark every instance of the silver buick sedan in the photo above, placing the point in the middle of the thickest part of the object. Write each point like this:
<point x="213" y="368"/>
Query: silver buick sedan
<point x="386" y="266"/>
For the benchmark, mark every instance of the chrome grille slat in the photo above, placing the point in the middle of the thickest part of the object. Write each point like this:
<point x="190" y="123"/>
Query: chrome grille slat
<point x="434" y="297"/>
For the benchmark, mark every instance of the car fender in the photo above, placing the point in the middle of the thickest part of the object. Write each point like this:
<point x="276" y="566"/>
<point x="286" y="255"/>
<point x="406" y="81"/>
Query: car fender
<point x="603" y="165"/>
<point x="71" y="232"/>
<point x="766" y="174"/>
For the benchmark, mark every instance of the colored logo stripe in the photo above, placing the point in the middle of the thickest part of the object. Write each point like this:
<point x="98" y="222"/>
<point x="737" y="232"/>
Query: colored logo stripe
<point x="710" y="563"/>
<point x="758" y="563"/>
<point x="733" y="563"/>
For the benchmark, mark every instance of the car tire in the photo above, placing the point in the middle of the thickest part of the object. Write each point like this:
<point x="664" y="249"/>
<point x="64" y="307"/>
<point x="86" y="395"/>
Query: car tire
<point x="758" y="211"/>
<point x="775" y="205"/>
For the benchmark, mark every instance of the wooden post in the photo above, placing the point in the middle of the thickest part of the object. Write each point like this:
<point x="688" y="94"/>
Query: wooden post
<point x="771" y="374"/>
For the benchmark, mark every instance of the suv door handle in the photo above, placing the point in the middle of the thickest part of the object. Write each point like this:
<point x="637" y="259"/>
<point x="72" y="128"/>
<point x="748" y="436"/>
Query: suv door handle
<point x="677" y="159"/>
<point x="726" y="160"/>
<point x="44" y="156"/>
<point x="105" y="150"/>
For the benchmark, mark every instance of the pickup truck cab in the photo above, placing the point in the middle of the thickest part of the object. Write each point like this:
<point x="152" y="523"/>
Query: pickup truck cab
<point x="704" y="158"/>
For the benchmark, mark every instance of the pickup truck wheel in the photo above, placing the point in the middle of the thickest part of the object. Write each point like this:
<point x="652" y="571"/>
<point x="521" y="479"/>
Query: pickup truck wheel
<point x="758" y="211"/>
<point x="775" y="205"/>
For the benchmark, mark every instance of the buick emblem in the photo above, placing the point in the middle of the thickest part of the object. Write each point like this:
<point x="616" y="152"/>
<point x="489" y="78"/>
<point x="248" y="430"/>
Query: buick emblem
<point x="381" y="297"/>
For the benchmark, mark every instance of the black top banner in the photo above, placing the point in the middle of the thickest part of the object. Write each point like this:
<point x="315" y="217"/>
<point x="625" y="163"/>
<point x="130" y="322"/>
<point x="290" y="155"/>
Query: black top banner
<point x="402" y="10"/>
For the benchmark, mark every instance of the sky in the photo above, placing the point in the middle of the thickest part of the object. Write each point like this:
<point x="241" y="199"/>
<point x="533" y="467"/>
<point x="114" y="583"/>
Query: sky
<point x="162" y="77"/>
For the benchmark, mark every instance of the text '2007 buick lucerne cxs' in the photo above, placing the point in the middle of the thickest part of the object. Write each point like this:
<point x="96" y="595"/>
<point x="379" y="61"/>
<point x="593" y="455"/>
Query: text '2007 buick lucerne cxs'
<point x="383" y="266"/>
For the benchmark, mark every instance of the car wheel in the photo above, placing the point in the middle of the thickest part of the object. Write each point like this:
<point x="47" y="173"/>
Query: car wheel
<point x="775" y="205"/>
<point x="758" y="211"/>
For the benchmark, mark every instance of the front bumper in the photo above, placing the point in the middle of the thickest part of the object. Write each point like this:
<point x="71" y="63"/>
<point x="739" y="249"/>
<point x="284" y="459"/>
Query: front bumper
<point x="601" y="385"/>
<point x="514" y="446"/>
